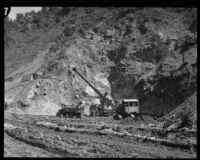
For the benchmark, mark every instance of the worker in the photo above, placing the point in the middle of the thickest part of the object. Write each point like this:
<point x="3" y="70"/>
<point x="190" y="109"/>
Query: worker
<point x="93" y="110"/>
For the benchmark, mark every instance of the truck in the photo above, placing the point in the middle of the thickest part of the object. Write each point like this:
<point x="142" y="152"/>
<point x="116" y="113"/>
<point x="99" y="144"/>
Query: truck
<point x="127" y="107"/>
<point x="124" y="108"/>
<point x="70" y="111"/>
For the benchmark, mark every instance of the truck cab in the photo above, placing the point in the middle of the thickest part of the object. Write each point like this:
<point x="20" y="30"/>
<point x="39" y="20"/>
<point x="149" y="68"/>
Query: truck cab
<point x="131" y="106"/>
<point x="127" y="107"/>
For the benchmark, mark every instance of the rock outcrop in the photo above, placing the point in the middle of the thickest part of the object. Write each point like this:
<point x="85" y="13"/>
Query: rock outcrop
<point x="144" y="53"/>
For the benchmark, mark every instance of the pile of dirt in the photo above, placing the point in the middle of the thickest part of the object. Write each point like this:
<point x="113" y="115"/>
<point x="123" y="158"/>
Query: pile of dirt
<point x="42" y="107"/>
<point x="13" y="110"/>
<point x="36" y="107"/>
<point x="183" y="116"/>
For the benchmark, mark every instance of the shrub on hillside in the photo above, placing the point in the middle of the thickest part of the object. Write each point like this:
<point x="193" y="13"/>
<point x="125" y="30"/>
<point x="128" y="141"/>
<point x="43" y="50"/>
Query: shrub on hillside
<point x="64" y="11"/>
<point x="9" y="79"/>
<point x="127" y="11"/>
<point x="68" y="31"/>
<point x="88" y="10"/>
<point x="82" y="32"/>
<point x="36" y="19"/>
<point x="57" y="20"/>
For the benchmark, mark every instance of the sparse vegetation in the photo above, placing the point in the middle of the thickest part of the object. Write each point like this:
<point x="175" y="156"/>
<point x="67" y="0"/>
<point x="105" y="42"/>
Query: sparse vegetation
<point x="144" y="53"/>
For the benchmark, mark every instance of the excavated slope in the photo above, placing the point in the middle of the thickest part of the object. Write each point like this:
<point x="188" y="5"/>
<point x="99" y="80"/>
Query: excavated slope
<point x="127" y="52"/>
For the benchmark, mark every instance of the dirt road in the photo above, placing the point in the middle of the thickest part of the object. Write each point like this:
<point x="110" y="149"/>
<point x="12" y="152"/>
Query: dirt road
<point x="87" y="137"/>
<point x="15" y="148"/>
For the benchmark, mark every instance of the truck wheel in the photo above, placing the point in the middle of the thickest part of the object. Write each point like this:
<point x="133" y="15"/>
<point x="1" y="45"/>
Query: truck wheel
<point x="79" y="116"/>
<point x="70" y="116"/>
<point x="117" y="117"/>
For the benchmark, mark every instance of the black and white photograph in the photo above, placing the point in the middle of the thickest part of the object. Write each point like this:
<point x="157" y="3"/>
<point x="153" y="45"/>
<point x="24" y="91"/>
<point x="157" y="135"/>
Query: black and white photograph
<point x="100" y="82"/>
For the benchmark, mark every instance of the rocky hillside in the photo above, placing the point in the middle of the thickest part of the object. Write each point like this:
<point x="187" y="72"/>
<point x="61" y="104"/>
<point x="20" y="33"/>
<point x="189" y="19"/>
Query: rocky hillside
<point x="144" y="53"/>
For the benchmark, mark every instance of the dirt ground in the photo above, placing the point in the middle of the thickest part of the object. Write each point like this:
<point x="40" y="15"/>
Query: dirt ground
<point x="15" y="148"/>
<point x="49" y="136"/>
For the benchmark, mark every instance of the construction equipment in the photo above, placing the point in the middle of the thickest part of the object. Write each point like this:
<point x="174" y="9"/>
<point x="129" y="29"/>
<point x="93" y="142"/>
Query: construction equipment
<point x="125" y="107"/>
<point x="71" y="111"/>
<point x="102" y="110"/>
